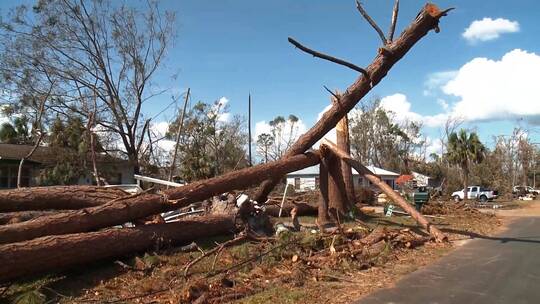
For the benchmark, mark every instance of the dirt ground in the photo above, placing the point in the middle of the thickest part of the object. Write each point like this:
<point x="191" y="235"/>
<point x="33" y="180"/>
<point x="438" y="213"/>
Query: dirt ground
<point x="300" y="267"/>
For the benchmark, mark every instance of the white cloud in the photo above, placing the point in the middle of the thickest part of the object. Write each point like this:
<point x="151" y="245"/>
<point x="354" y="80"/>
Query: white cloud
<point x="400" y="106"/>
<point x="435" y="80"/>
<point x="264" y="127"/>
<point x="489" y="29"/>
<point x="158" y="131"/>
<point x="497" y="89"/>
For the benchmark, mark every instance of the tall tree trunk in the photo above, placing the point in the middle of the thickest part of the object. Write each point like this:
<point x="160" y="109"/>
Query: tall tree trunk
<point x="393" y="195"/>
<point x="343" y="142"/>
<point x="465" y="183"/>
<point x="132" y="208"/>
<point x="323" y="216"/>
<point x="57" y="197"/>
<point x="249" y="131"/>
<point x="426" y="20"/>
<point x="338" y="205"/>
<point x="60" y="252"/>
<point x="21" y="163"/>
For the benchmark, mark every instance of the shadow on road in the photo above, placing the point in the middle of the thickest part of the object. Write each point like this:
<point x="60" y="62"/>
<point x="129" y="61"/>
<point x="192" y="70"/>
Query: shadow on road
<point x="502" y="239"/>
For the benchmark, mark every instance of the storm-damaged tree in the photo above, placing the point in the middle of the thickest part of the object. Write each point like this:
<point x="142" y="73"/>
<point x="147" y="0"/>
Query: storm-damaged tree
<point x="376" y="137"/>
<point x="464" y="150"/>
<point x="284" y="132"/>
<point x="89" y="48"/>
<point x="264" y="142"/>
<point x="211" y="143"/>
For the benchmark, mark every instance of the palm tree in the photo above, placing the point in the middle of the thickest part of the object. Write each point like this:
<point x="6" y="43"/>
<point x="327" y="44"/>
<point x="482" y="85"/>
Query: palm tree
<point x="463" y="150"/>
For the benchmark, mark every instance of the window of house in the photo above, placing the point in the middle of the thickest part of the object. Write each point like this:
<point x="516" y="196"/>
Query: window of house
<point x="4" y="177"/>
<point x="297" y="183"/>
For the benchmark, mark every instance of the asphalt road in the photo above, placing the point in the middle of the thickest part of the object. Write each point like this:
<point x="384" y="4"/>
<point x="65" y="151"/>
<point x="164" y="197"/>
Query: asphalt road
<point x="500" y="269"/>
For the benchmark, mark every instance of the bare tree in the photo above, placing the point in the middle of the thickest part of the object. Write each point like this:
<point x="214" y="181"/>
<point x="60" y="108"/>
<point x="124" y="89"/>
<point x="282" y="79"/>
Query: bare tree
<point x="98" y="47"/>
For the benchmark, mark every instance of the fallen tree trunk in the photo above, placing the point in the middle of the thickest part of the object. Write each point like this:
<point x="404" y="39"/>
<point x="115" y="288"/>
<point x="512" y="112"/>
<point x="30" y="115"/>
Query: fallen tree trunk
<point x="58" y="197"/>
<point x="132" y="208"/>
<point x="60" y="252"/>
<point x="393" y="195"/>
<point x="22" y="216"/>
<point x="302" y="209"/>
<point x="426" y="20"/>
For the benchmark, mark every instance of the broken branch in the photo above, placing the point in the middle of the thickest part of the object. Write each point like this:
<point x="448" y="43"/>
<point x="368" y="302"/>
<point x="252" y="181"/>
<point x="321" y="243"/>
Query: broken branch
<point x="327" y="57"/>
<point x="394" y="196"/>
<point x="371" y="22"/>
<point x="392" y="30"/>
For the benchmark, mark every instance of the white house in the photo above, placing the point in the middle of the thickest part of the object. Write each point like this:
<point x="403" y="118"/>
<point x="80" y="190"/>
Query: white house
<point x="308" y="178"/>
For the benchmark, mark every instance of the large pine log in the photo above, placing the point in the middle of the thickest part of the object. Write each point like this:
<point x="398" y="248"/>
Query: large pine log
<point x="426" y="20"/>
<point x="21" y="216"/>
<point x="58" y="197"/>
<point x="132" y="208"/>
<point x="54" y="253"/>
<point x="393" y="195"/>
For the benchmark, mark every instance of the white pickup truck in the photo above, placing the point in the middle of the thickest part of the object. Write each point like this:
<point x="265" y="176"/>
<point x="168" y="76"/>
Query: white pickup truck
<point x="475" y="193"/>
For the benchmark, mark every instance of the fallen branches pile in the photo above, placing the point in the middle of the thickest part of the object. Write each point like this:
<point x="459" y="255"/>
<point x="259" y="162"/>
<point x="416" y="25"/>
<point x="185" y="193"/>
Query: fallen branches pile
<point x="294" y="259"/>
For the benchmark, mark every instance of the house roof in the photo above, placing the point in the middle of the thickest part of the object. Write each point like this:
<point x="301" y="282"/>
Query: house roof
<point x="42" y="155"/>
<point x="16" y="152"/>
<point x="314" y="170"/>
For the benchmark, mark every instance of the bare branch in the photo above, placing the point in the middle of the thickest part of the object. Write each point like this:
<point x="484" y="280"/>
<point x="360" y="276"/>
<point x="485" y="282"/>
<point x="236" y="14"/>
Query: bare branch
<point x="371" y="22"/>
<point x="332" y="93"/>
<point x="327" y="57"/>
<point x="392" y="30"/>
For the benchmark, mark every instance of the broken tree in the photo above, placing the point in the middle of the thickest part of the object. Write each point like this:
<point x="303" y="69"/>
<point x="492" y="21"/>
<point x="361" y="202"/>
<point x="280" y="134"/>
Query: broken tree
<point x="59" y="252"/>
<point x="131" y="208"/>
<point x="56" y="198"/>
<point x="390" y="53"/>
<point x="394" y="196"/>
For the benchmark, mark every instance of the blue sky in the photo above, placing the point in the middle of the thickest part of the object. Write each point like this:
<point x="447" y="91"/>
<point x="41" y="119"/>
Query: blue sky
<point x="233" y="47"/>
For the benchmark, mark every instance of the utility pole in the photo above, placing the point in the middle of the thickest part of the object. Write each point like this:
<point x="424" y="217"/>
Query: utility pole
<point x="178" y="134"/>
<point x="249" y="130"/>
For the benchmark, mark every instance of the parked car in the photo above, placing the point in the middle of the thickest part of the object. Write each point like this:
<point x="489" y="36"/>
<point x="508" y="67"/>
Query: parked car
<point x="475" y="193"/>
<point x="524" y="190"/>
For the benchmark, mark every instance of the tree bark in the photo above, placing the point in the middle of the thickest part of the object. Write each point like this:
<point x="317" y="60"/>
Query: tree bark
<point x="465" y="184"/>
<point x="132" y="208"/>
<point x="22" y="216"/>
<point x="58" y="197"/>
<point x="426" y="20"/>
<point x="323" y="217"/>
<point x="60" y="252"/>
<point x="394" y="196"/>
<point x="344" y="144"/>
<point x="338" y="202"/>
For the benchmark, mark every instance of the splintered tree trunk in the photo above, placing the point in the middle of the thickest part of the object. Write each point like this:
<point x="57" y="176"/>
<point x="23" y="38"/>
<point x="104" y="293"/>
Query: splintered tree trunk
<point x="426" y="20"/>
<point x="344" y="144"/>
<point x="323" y="217"/>
<point x="393" y="195"/>
<point x="338" y="205"/>
<point x="60" y="252"/>
<point x="132" y="208"/>
<point x="58" y="197"/>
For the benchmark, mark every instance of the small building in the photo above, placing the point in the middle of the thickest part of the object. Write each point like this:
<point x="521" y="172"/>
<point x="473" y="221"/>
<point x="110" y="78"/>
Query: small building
<point x="308" y="178"/>
<point x="116" y="171"/>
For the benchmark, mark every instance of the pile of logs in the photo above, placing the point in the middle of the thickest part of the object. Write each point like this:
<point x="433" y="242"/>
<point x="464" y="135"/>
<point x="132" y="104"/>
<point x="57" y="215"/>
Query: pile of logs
<point x="50" y="229"/>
